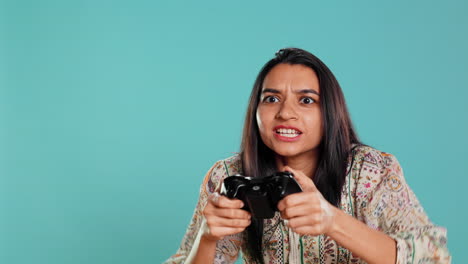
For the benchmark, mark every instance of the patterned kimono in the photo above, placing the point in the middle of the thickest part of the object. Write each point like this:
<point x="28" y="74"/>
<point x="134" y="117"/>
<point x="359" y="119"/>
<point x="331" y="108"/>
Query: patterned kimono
<point x="375" y="192"/>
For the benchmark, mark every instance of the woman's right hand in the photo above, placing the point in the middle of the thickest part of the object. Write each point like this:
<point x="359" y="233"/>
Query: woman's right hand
<point x="224" y="217"/>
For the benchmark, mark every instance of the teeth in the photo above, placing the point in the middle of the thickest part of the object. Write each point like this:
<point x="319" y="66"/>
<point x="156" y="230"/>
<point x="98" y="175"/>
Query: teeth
<point x="289" y="135"/>
<point x="288" y="132"/>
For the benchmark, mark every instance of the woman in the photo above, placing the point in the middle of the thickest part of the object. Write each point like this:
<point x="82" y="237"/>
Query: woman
<point x="355" y="206"/>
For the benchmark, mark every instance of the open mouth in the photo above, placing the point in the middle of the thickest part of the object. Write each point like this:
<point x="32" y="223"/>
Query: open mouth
<point x="288" y="132"/>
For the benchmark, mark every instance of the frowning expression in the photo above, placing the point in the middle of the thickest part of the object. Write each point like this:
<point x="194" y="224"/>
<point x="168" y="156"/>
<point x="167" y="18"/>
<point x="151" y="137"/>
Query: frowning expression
<point x="288" y="115"/>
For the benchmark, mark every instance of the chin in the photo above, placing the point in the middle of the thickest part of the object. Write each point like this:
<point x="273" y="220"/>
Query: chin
<point x="293" y="152"/>
<point x="287" y="152"/>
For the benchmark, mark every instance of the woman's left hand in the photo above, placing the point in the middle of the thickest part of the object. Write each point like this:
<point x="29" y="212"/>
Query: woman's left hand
<point x="307" y="212"/>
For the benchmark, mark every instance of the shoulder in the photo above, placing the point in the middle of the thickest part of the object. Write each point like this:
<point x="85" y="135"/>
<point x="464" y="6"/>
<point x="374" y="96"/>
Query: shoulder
<point x="374" y="168"/>
<point x="379" y="185"/>
<point x="374" y="160"/>
<point x="221" y="170"/>
<point x="233" y="164"/>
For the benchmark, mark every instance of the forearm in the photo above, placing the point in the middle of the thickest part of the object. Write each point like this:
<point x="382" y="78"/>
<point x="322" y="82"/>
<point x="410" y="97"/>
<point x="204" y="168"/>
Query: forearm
<point x="370" y="245"/>
<point x="206" y="251"/>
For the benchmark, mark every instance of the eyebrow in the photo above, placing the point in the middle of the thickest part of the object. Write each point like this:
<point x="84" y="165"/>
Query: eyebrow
<point x="304" y="91"/>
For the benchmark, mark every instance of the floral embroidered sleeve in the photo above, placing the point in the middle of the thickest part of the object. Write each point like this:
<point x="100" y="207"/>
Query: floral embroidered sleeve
<point x="226" y="249"/>
<point x="385" y="202"/>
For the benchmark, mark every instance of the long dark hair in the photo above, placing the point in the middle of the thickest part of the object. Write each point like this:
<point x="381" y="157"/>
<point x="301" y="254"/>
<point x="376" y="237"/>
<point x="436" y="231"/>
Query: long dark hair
<point x="339" y="134"/>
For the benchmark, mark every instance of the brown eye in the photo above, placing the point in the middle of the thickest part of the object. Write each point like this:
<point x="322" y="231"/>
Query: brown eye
<point x="307" y="100"/>
<point x="270" y="99"/>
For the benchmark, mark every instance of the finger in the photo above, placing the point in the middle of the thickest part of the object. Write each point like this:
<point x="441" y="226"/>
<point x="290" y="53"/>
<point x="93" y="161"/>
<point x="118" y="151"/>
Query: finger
<point x="299" y="210"/>
<point x="224" y="202"/>
<point x="232" y="213"/>
<point x="299" y="198"/>
<point x="216" y="221"/>
<point x="289" y="201"/>
<point x="225" y="231"/>
<point x="305" y="182"/>
<point x="305" y="220"/>
<point x="211" y="209"/>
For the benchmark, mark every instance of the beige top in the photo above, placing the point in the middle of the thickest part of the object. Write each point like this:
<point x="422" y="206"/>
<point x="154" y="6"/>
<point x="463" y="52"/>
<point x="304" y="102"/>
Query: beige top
<point x="375" y="192"/>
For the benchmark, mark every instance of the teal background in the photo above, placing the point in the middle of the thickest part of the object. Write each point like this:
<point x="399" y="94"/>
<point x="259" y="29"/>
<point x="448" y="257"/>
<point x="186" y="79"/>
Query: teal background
<point x="113" y="111"/>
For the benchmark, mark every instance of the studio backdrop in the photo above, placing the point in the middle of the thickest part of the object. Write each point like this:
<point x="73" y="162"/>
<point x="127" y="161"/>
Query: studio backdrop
<point x="111" y="112"/>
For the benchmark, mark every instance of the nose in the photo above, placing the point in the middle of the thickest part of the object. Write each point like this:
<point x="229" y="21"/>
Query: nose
<point x="286" y="111"/>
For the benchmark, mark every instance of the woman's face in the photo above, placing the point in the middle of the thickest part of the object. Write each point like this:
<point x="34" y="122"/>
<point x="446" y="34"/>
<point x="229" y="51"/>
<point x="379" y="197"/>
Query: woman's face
<point x="288" y="115"/>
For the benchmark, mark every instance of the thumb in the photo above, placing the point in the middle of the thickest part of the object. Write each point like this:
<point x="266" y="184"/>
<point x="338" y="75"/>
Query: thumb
<point x="305" y="182"/>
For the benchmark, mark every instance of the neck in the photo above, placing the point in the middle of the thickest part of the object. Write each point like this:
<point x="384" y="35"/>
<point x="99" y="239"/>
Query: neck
<point x="306" y="162"/>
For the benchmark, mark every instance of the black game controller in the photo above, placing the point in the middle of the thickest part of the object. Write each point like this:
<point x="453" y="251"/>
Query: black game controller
<point x="260" y="194"/>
